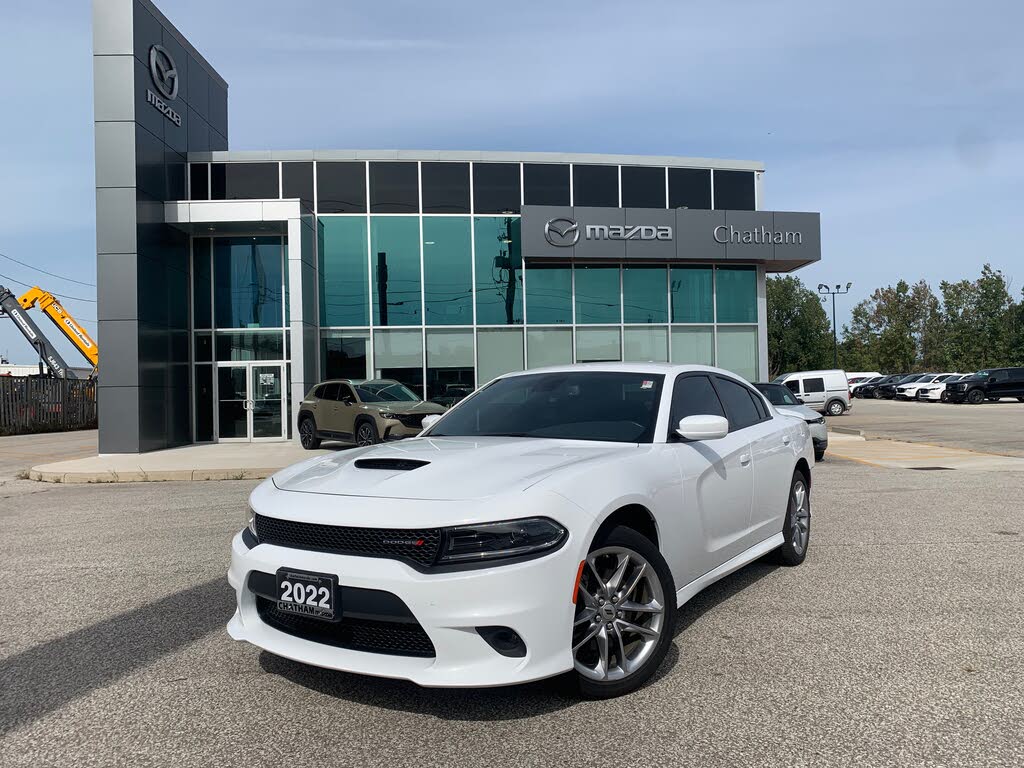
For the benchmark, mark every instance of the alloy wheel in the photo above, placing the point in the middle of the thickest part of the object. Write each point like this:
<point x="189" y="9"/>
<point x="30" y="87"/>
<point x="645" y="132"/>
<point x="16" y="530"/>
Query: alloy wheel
<point x="800" y="518"/>
<point x="364" y="435"/>
<point x="620" y="614"/>
<point x="835" y="408"/>
<point x="306" y="433"/>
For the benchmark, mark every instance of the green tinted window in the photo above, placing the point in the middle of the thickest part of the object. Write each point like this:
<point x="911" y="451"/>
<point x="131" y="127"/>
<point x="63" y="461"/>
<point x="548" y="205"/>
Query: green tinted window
<point x="499" y="270"/>
<point x="694" y="344"/>
<point x="597" y="345"/>
<point x="645" y="344"/>
<point x="344" y="292"/>
<point x="201" y="282"/>
<point x="548" y="294"/>
<point x="737" y="351"/>
<point x="736" y="294"/>
<point x="248" y="282"/>
<point x="395" y="260"/>
<point x="447" y="270"/>
<point x="597" y="294"/>
<point x="690" y="290"/>
<point x="644" y="294"/>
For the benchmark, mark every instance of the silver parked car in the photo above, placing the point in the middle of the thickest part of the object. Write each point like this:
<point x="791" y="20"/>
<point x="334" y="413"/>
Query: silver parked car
<point x="782" y="398"/>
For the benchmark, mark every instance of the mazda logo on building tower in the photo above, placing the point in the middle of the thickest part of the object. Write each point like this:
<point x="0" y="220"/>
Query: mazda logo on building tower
<point x="562" y="232"/>
<point x="165" y="78"/>
<point x="163" y="71"/>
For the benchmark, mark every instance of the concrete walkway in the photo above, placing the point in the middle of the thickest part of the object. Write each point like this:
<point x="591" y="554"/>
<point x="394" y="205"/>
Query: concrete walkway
<point x="221" y="461"/>
<point x="895" y="454"/>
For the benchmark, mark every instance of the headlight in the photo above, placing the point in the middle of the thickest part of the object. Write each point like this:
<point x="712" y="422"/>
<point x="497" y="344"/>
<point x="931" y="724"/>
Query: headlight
<point x="492" y="541"/>
<point x="386" y="414"/>
<point x="250" y="521"/>
<point x="819" y="420"/>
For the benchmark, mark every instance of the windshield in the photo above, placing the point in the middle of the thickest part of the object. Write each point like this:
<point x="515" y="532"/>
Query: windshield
<point x="385" y="391"/>
<point x="927" y="379"/>
<point x="777" y="395"/>
<point x="573" y="405"/>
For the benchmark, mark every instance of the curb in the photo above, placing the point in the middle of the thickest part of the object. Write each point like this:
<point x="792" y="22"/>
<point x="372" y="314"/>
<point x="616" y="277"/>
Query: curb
<point x="155" y="476"/>
<point x="847" y="431"/>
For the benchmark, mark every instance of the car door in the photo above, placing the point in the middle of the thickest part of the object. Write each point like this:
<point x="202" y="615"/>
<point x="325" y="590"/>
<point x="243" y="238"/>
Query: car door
<point x="345" y="410"/>
<point x="716" y="475"/>
<point x="1015" y="386"/>
<point x="813" y="392"/>
<point x="773" y="446"/>
<point x="998" y="383"/>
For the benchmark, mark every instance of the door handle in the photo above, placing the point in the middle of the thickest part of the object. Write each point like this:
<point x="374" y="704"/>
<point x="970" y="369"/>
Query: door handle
<point x="745" y="459"/>
<point x="785" y="439"/>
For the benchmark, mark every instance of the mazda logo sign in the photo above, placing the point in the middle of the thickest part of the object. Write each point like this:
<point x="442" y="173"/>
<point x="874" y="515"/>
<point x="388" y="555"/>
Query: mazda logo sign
<point x="562" y="232"/>
<point x="163" y="72"/>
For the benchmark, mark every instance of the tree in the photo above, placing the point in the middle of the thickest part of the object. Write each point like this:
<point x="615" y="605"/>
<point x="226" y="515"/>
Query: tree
<point x="799" y="333"/>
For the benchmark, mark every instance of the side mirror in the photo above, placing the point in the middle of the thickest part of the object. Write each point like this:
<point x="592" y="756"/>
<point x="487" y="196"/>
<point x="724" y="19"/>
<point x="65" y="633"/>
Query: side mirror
<point x="703" y="427"/>
<point x="430" y="420"/>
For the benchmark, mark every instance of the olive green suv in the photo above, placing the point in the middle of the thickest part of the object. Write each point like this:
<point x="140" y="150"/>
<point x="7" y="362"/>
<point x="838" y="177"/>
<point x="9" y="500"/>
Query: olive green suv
<point x="361" y="412"/>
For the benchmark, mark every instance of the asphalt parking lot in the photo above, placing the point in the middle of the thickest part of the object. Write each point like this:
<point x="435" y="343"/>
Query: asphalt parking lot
<point x="991" y="427"/>
<point x="899" y="642"/>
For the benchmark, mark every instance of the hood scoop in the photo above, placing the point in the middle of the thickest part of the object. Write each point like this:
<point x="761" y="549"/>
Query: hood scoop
<point x="391" y="465"/>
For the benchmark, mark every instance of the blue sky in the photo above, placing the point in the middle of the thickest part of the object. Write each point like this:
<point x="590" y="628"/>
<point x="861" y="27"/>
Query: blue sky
<point x="903" y="123"/>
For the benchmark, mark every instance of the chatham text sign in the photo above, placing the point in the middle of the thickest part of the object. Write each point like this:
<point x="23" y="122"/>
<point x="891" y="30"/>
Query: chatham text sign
<point x="782" y="240"/>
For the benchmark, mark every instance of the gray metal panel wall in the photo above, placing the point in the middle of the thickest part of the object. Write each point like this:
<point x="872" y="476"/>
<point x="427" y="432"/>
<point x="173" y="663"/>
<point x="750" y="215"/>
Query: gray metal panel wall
<point x="142" y="263"/>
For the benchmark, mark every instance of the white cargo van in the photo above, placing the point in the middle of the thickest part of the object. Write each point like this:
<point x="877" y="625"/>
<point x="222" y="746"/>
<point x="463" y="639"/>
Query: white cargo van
<point x="825" y="391"/>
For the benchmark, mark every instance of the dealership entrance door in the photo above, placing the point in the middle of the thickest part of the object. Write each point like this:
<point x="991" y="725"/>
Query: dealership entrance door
<point x="250" y="402"/>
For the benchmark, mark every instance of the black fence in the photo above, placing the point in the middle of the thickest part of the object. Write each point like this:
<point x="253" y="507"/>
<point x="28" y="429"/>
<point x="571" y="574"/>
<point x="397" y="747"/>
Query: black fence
<point x="30" y="404"/>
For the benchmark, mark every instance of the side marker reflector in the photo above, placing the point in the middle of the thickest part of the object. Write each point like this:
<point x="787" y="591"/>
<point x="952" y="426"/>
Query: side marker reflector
<point x="576" y="583"/>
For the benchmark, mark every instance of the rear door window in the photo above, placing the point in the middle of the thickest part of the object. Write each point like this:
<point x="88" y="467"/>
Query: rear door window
<point x="814" y="385"/>
<point x="345" y="394"/>
<point x="739" y="405"/>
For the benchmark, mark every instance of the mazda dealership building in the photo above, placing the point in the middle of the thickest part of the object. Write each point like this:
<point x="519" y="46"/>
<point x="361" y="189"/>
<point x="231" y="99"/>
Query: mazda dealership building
<point x="231" y="282"/>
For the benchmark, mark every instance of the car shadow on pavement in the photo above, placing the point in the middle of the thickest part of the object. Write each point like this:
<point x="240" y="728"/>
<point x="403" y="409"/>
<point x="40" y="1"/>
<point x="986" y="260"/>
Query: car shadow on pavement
<point x="44" y="678"/>
<point x="706" y="600"/>
<point x="507" y="703"/>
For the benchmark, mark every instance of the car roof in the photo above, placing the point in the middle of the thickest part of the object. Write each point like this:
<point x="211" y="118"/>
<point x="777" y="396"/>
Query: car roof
<point x="619" y="367"/>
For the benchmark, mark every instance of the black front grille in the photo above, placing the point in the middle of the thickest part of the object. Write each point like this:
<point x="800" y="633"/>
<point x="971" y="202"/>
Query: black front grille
<point x="393" y="638"/>
<point x="416" y="545"/>
<point x="411" y="420"/>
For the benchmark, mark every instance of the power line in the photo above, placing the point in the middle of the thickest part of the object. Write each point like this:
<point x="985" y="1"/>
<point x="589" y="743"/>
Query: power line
<point x="58" y="295"/>
<point x="51" y="274"/>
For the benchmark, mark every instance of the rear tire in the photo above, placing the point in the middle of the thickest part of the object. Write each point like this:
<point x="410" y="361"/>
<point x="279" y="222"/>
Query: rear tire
<point x="836" y="408"/>
<point x="975" y="397"/>
<point x="638" y="639"/>
<point x="307" y="434"/>
<point x="797" y="527"/>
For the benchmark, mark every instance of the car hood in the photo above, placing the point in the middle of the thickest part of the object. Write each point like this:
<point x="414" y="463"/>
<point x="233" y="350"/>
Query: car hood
<point x="443" y="468"/>
<point x="800" y="411"/>
<point x="399" y="406"/>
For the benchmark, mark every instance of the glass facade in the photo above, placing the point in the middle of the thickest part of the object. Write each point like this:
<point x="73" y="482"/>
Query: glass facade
<point x="421" y="277"/>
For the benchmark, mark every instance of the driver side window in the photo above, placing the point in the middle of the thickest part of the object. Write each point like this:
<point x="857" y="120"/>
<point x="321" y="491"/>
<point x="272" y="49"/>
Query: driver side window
<point x="693" y="396"/>
<point x="345" y="394"/>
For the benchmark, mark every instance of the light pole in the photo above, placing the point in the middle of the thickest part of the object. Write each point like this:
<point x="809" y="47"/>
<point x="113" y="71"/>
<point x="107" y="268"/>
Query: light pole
<point x="825" y="290"/>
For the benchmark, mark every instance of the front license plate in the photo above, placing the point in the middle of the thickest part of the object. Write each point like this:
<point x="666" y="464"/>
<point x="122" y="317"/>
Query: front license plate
<point x="308" y="594"/>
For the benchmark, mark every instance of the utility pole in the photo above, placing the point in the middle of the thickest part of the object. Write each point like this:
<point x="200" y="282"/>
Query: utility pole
<point x="825" y="290"/>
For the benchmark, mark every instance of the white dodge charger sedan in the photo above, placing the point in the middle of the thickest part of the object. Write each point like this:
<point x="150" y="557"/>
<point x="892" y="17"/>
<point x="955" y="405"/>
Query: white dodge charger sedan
<point x="552" y="522"/>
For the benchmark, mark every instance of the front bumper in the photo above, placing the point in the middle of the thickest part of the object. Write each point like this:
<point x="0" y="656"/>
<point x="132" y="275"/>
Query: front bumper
<point x="534" y="598"/>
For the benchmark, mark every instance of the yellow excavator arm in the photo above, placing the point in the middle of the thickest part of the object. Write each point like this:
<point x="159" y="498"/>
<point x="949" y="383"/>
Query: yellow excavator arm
<point x="67" y="324"/>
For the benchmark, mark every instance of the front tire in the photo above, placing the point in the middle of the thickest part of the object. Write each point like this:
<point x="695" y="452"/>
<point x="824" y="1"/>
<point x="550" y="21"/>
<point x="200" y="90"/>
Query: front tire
<point x="975" y="397"/>
<point x="819" y="454"/>
<point x="625" y="614"/>
<point x="836" y="408"/>
<point x="797" y="527"/>
<point x="944" y="397"/>
<point x="366" y="433"/>
<point x="307" y="434"/>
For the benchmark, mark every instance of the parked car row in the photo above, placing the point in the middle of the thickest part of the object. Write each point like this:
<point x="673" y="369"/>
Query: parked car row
<point x="990" y="384"/>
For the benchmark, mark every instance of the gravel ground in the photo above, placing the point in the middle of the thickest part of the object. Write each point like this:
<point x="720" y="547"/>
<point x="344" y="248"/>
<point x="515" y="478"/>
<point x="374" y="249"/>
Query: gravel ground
<point x="900" y="641"/>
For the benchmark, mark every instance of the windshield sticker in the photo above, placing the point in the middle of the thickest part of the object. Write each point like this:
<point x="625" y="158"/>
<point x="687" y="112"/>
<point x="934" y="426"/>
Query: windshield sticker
<point x="647" y="385"/>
